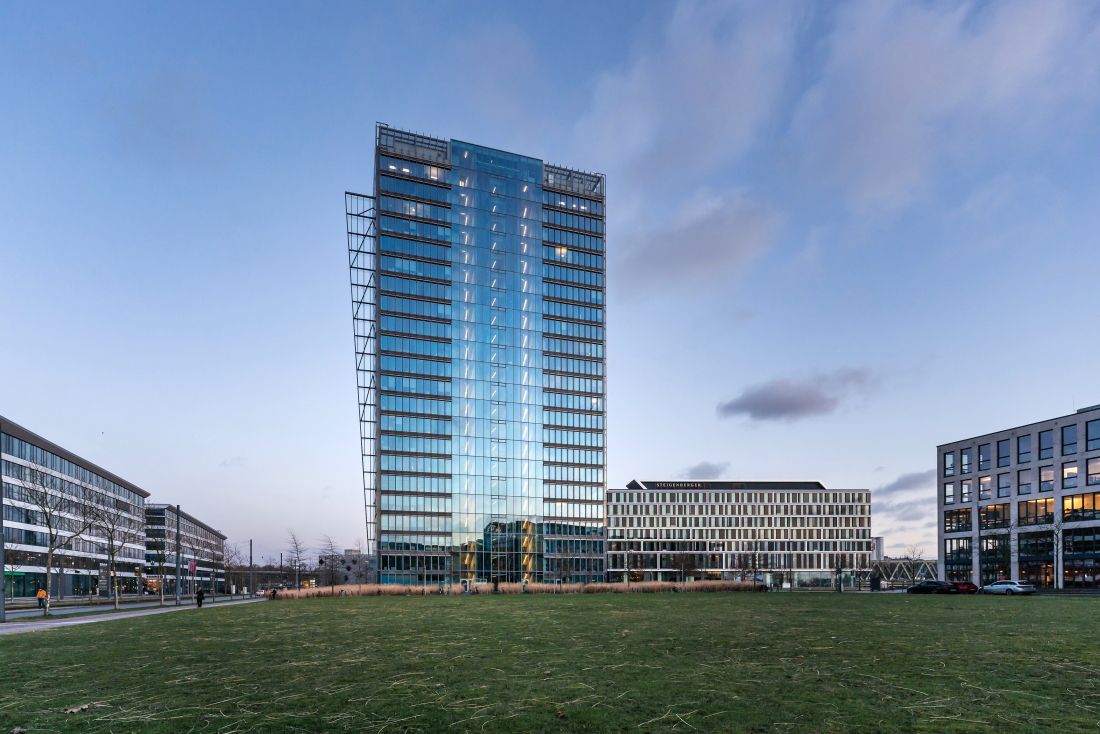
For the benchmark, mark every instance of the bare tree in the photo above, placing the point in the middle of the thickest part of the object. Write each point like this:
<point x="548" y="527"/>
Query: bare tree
<point x="13" y="560"/>
<point x="64" y="509"/>
<point x="297" y="551"/>
<point x="115" y="523"/>
<point x="160" y="553"/>
<point x="360" y="569"/>
<point x="633" y="563"/>
<point x="328" y="551"/>
<point x="566" y="569"/>
<point x="233" y="560"/>
<point x="685" y="564"/>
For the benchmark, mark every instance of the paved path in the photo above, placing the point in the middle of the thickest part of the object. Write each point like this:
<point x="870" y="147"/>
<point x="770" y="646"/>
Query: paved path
<point x="103" y="606"/>
<point x="43" y="623"/>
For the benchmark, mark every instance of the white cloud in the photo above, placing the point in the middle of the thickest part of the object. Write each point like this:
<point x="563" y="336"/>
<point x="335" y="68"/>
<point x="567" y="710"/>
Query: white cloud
<point x="909" y="87"/>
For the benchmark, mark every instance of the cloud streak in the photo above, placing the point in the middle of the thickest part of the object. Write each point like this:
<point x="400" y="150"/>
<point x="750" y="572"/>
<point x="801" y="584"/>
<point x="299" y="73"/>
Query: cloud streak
<point x="706" y="470"/>
<point x="792" y="400"/>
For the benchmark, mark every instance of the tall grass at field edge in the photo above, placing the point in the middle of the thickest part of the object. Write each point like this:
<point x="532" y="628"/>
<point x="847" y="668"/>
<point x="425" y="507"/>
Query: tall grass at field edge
<point x="641" y="587"/>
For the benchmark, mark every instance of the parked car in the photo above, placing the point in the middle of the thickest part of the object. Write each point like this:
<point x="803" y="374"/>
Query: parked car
<point x="932" y="587"/>
<point x="964" y="587"/>
<point x="1005" y="586"/>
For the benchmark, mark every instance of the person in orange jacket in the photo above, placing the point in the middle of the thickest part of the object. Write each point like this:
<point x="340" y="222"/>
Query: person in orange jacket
<point x="41" y="598"/>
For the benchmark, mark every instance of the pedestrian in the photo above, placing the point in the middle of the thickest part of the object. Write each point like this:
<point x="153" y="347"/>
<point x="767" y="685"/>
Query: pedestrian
<point x="200" y="596"/>
<point x="41" y="598"/>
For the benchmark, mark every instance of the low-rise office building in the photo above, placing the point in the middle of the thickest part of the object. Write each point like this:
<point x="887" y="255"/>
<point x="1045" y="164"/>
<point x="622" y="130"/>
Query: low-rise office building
<point x="769" y="529"/>
<point x="44" y="486"/>
<point x="1023" y="503"/>
<point x="201" y="552"/>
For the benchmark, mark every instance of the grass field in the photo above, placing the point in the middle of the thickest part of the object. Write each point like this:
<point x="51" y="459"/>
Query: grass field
<point x="595" y="663"/>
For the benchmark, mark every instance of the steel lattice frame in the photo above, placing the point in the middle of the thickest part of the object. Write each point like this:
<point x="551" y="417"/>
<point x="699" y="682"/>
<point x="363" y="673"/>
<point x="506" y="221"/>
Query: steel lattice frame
<point x="363" y="262"/>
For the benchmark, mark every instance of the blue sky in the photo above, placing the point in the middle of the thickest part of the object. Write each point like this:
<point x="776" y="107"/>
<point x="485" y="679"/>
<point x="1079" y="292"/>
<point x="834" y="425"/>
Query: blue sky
<point x="839" y="234"/>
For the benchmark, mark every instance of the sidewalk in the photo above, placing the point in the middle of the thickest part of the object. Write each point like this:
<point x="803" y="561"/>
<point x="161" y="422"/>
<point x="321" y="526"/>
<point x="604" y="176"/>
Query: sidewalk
<point x="105" y="605"/>
<point x="47" y="623"/>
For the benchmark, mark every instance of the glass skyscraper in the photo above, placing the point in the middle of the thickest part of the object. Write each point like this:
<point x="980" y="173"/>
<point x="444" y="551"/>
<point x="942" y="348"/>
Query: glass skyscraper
<point x="478" y="305"/>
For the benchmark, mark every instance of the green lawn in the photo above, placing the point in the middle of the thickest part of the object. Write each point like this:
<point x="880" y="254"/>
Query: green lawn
<point x="598" y="663"/>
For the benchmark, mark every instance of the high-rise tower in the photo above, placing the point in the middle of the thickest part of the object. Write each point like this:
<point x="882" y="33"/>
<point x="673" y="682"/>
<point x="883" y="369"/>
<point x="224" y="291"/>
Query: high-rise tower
<point x="478" y="303"/>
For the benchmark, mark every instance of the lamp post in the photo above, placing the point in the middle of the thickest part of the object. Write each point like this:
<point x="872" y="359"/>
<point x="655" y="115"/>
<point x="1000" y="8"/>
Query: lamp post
<point x="251" y="587"/>
<point x="178" y="555"/>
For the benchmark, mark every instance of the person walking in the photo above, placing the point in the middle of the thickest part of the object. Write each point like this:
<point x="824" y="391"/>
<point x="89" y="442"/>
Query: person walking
<point x="200" y="596"/>
<point x="41" y="594"/>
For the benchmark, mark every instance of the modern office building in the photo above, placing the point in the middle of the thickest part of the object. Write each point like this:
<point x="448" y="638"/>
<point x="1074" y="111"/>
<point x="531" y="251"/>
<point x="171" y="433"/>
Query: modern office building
<point x="478" y="308"/>
<point x="1017" y="503"/>
<point x="201" y="552"/>
<point x="46" y="485"/>
<point x="764" y="528"/>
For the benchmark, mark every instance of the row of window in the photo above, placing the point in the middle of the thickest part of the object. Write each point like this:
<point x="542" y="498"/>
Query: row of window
<point x="571" y="474"/>
<point x="748" y="498"/>
<point x="416" y="170"/>
<point x="1069" y="446"/>
<point x="575" y="348"/>
<point x="573" y="420"/>
<point x="400" y="404"/>
<point x="570" y="328"/>
<point x="573" y="221"/>
<point x="1075" y="508"/>
<point x="572" y="293"/>
<point x="422" y="347"/>
<point x="420" y="288"/>
<point x="414" y="464"/>
<point x="572" y="275"/>
<point x="417" y="209"/>
<point x="412" y="424"/>
<point x="577" y="366"/>
<point x="1024" y="483"/>
<point x="572" y="509"/>
<point x="572" y="402"/>
<point x="397" y="483"/>
<point x="572" y="311"/>
<point x="572" y="492"/>
<point x="390" y="363"/>
<point x="427" y="191"/>
<point x="415" y="248"/>
<point x="573" y="239"/>
<point x="415" y="444"/>
<point x="434" y="329"/>
<point x="419" y="268"/>
<point x="572" y="456"/>
<point x="572" y="438"/>
<point x="408" y="227"/>
<point x="393" y="383"/>
<point x="413" y="503"/>
<point x="575" y="384"/>
<point x="413" y="307"/>
<point x="563" y="254"/>
<point x="563" y="201"/>
<point x="415" y="523"/>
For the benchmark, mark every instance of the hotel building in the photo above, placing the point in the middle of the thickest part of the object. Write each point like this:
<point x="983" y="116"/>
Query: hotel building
<point x="772" y="528"/>
<point x="1023" y="503"/>
<point x="478" y="287"/>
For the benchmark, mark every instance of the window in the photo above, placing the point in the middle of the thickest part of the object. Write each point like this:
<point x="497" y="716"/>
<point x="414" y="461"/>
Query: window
<point x="967" y="455"/>
<point x="966" y="487"/>
<point x="1023" y="481"/>
<point x="1046" y="479"/>
<point x="1093" y="471"/>
<point x="1077" y="507"/>
<point x="949" y="464"/>
<point x="992" y="517"/>
<point x="985" y="488"/>
<point x="1036" y="512"/>
<point x="1004" y="485"/>
<point x="983" y="457"/>
<point x="1092" y="435"/>
<point x="957" y="550"/>
<point x="1046" y="444"/>
<point x="1069" y="475"/>
<point x="1023" y="449"/>
<point x="1069" y="440"/>
<point x="949" y="493"/>
<point x="994" y="559"/>
<point x="1004" y="453"/>
<point x="957" y="521"/>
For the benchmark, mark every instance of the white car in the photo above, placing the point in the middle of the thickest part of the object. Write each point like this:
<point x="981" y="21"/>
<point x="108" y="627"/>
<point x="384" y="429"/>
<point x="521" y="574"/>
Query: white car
<point x="1005" y="586"/>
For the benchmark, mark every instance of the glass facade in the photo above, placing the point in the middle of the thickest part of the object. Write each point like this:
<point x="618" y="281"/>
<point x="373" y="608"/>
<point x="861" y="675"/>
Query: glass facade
<point x="489" y="366"/>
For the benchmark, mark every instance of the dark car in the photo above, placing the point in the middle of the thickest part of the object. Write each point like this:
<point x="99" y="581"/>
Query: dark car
<point x="964" y="587"/>
<point x="932" y="587"/>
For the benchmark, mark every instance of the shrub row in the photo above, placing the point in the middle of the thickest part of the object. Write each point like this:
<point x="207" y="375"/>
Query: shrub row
<point x="643" y="587"/>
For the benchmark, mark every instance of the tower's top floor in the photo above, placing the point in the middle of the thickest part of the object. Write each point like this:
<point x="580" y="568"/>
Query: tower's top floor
<point x="442" y="152"/>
